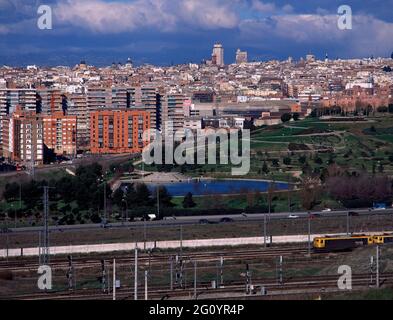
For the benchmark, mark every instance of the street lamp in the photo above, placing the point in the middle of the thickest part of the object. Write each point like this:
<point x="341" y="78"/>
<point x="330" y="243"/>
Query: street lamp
<point x="103" y="182"/>
<point x="125" y="201"/>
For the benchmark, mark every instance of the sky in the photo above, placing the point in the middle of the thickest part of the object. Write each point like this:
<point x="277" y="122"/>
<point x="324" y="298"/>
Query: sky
<point x="165" y="32"/>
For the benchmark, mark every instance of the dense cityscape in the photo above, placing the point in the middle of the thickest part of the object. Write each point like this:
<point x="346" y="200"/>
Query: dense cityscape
<point x="68" y="104"/>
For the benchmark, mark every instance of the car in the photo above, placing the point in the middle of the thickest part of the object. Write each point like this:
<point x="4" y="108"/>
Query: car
<point x="314" y="215"/>
<point x="226" y="220"/>
<point x="150" y="217"/>
<point x="204" y="221"/>
<point x="353" y="214"/>
<point x="327" y="210"/>
<point x="292" y="216"/>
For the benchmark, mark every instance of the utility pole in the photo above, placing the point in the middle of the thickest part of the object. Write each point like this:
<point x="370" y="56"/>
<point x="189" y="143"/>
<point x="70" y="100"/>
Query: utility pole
<point x="181" y="272"/>
<point x="146" y="274"/>
<point x="181" y="241"/>
<point x="280" y="277"/>
<point x="105" y="217"/>
<point x="114" y="280"/>
<point x="195" y="280"/>
<point x="136" y="275"/>
<point x="70" y="274"/>
<point x="247" y="279"/>
<point x="103" y="276"/>
<point x="289" y="193"/>
<point x="264" y="231"/>
<point x="39" y="248"/>
<point x="171" y="272"/>
<point x="347" y="223"/>
<point x="15" y="218"/>
<point x="377" y="266"/>
<point x="144" y="235"/>
<point x="371" y="270"/>
<point x="158" y="202"/>
<point x="20" y="195"/>
<point x="6" y="235"/>
<point x="45" y="253"/>
<point x="221" y="271"/>
<point x="309" y="234"/>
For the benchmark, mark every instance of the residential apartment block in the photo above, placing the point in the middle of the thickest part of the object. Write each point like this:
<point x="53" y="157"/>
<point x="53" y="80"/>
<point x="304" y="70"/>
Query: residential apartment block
<point x="60" y="133"/>
<point x="23" y="137"/>
<point x="118" y="131"/>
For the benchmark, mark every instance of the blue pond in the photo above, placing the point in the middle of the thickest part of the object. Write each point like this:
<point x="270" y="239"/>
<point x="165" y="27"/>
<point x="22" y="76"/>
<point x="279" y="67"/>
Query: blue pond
<point x="207" y="187"/>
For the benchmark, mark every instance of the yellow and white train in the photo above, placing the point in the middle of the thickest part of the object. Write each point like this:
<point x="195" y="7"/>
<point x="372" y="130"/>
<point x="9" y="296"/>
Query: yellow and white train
<point x="343" y="243"/>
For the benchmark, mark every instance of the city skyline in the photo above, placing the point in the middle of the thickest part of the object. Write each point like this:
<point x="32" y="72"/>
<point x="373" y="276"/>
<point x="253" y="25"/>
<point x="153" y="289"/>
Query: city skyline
<point x="176" y="32"/>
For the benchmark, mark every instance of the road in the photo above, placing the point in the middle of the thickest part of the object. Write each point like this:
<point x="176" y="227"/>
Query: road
<point x="73" y="163"/>
<point x="190" y="220"/>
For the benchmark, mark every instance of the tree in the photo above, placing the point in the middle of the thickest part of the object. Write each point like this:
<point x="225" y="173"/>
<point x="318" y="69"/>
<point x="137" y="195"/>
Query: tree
<point x="165" y="198"/>
<point x="118" y="196"/>
<point x="361" y="190"/>
<point x="265" y="168"/>
<point x="286" y="117"/>
<point x="309" y="192"/>
<point x="302" y="159"/>
<point x="188" y="202"/>
<point x="275" y="163"/>
<point x="11" y="191"/>
<point x="142" y="195"/>
<point x="382" y="109"/>
<point x="318" y="160"/>
<point x="287" y="161"/>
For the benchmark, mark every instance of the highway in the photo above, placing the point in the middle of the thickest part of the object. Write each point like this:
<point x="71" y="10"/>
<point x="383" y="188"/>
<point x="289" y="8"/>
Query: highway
<point x="192" y="220"/>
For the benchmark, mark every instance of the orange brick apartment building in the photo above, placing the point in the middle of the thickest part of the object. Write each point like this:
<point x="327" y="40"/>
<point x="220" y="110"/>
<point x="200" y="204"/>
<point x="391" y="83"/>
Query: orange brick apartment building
<point x="60" y="133"/>
<point x="118" y="131"/>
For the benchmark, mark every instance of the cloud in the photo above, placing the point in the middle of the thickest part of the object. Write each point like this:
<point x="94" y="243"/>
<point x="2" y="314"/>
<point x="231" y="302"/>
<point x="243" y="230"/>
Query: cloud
<point x="369" y="34"/>
<point x="265" y="7"/>
<point x="3" y="29"/>
<point x="164" y="15"/>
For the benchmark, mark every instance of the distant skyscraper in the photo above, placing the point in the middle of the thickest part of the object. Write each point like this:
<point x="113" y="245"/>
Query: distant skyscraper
<point x="241" y="56"/>
<point x="218" y="55"/>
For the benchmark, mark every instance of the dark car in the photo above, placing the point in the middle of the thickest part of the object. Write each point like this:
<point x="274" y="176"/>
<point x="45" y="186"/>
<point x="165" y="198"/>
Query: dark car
<point x="315" y="215"/>
<point x="226" y="220"/>
<point x="204" y="221"/>
<point x="353" y="214"/>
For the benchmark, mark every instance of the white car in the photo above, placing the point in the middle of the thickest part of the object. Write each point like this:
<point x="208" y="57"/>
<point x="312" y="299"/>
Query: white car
<point x="292" y="216"/>
<point x="327" y="210"/>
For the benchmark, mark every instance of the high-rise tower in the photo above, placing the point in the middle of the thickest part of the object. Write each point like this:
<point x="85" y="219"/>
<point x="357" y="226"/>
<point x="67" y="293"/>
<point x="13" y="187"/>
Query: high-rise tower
<point x="218" y="54"/>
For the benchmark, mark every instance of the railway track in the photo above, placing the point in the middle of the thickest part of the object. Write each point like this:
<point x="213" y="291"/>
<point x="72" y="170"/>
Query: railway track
<point x="153" y="259"/>
<point x="232" y="289"/>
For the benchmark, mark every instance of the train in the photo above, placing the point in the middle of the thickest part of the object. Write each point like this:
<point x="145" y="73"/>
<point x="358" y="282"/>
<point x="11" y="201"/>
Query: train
<point x="346" y="243"/>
